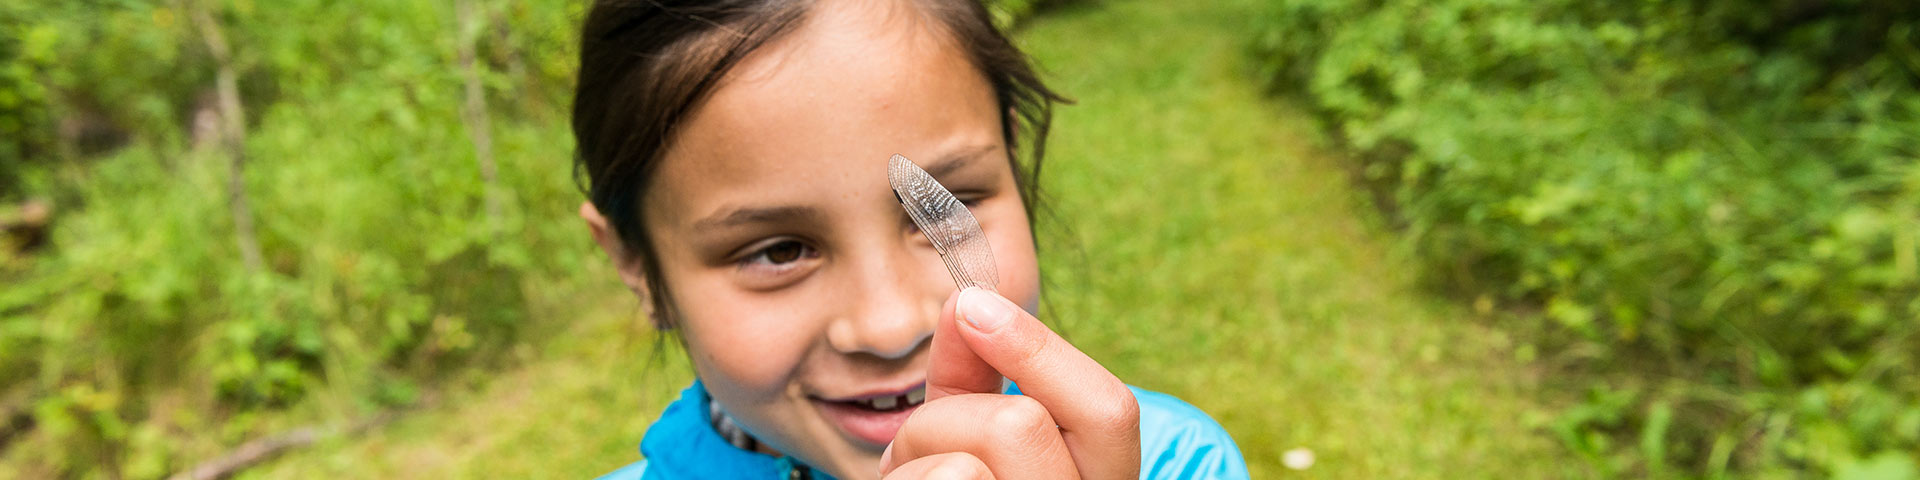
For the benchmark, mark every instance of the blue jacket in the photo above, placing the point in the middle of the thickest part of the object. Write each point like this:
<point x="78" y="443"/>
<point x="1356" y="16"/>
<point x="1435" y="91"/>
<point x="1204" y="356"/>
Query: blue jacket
<point x="1177" y="441"/>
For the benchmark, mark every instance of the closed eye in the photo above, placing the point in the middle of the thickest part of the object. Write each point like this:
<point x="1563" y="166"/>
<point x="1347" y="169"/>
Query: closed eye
<point x="970" y="199"/>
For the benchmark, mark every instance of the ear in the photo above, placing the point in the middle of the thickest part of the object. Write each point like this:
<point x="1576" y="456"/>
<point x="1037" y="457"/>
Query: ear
<point x="626" y="262"/>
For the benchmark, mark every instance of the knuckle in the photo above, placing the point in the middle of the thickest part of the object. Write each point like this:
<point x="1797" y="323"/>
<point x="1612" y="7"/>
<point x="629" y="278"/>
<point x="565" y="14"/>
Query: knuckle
<point x="1031" y="352"/>
<point x="1119" y="411"/>
<point x="1020" y="414"/>
<point x="1116" y="411"/>
<point x="958" y="467"/>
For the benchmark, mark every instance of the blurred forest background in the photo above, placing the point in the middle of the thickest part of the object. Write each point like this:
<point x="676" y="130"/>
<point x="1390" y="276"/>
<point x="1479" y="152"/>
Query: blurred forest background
<point x="1667" y="238"/>
<point x="1710" y="207"/>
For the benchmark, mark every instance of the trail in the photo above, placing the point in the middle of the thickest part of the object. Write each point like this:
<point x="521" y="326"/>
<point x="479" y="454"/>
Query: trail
<point x="1232" y="262"/>
<point x="1204" y="247"/>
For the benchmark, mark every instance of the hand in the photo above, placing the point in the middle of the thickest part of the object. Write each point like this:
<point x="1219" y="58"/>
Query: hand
<point x="1075" y="419"/>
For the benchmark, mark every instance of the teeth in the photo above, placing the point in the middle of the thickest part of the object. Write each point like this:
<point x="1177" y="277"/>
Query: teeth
<point x="911" y="398"/>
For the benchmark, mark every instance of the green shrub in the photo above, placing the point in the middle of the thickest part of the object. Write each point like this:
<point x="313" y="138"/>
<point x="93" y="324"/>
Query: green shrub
<point x="140" y="340"/>
<point x="1714" y="205"/>
<point x="26" y="127"/>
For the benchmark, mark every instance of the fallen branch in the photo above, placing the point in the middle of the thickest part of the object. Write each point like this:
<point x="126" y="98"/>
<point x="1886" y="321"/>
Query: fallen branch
<point x="262" y="449"/>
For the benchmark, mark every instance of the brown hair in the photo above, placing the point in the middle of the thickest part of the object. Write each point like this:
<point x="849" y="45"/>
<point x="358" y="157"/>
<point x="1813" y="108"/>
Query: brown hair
<point x="646" y="64"/>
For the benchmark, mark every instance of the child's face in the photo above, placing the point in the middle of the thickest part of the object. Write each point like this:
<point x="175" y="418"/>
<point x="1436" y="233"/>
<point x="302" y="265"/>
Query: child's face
<point x="800" y="283"/>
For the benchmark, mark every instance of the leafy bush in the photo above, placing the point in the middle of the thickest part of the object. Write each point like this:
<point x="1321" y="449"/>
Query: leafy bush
<point x="1715" y="204"/>
<point x="26" y="127"/>
<point x="382" y="271"/>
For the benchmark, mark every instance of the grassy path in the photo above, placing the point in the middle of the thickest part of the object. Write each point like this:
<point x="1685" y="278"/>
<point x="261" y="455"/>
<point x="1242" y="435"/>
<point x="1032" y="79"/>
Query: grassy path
<point x="1220" y="257"/>
<point x="1231" y="263"/>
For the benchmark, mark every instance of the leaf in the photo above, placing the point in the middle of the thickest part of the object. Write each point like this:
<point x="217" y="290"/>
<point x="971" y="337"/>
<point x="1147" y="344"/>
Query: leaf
<point x="1653" y="437"/>
<point x="1888" y="465"/>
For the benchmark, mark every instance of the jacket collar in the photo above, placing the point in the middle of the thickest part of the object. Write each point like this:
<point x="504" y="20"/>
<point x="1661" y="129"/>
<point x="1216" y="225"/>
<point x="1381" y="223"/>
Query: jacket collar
<point x="683" y="444"/>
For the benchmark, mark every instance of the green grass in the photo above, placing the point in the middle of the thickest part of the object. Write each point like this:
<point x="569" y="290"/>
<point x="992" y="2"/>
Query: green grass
<point x="1205" y="249"/>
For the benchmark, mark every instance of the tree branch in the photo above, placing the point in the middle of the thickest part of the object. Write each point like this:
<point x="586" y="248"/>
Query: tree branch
<point x="474" y="111"/>
<point x="232" y="133"/>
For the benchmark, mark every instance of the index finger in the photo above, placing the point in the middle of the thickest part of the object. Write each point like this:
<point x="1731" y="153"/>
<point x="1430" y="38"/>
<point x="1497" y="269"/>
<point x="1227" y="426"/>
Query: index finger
<point x="1098" y="415"/>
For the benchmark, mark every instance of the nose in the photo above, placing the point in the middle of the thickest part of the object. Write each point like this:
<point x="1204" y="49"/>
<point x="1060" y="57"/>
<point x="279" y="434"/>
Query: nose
<point x="893" y="308"/>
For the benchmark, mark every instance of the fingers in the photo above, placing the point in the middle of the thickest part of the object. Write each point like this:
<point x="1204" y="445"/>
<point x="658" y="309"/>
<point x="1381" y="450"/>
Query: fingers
<point x="1012" y="435"/>
<point x="981" y="337"/>
<point x="1098" y="417"/>
<point x="943" y="466"/>
<point x="954" y="368"/>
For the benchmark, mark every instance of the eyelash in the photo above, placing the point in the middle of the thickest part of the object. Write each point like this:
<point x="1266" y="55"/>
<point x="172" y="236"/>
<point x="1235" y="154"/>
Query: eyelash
<point x="969" y="199"/>
<point x="762" y="258"/>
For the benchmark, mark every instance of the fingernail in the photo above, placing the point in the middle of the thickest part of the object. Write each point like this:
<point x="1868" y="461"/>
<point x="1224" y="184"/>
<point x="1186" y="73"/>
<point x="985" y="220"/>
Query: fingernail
<point x="984" y="309"/>
<point x="886" y="459"/>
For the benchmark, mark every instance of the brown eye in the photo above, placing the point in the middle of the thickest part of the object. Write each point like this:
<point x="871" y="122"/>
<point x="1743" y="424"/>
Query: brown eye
<point x="777" y="263"/>
<point x="784" y="252"/>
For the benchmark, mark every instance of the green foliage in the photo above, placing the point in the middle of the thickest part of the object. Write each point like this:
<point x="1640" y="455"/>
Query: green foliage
<point x="1716" y="204"/>
<point x="383" y="272"/>
<point x="1009" y="13"/>
<point x="26" y="127"/>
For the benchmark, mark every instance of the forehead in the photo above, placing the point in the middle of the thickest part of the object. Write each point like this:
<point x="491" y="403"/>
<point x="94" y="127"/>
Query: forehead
<point x="823" y="105"/>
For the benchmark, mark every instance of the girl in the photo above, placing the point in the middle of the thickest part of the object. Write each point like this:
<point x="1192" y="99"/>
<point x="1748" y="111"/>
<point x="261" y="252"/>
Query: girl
<point x="735" y="153"/>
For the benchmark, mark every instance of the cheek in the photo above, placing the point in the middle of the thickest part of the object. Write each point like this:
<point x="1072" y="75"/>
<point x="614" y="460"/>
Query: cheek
<point x="1014" y="255"/>
<point x="739" y="344"/>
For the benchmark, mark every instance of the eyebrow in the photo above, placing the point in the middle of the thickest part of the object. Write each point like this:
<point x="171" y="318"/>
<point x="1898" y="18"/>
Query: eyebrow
<point x="942" y="166"/>
<point x="751" y="215"/>
<point x="945" y="165"/>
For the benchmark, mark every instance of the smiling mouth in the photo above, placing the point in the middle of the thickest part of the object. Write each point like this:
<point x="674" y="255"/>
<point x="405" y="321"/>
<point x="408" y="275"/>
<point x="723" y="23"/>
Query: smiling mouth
<point x="872" y="420"/>
<point x="887" y="403"/>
